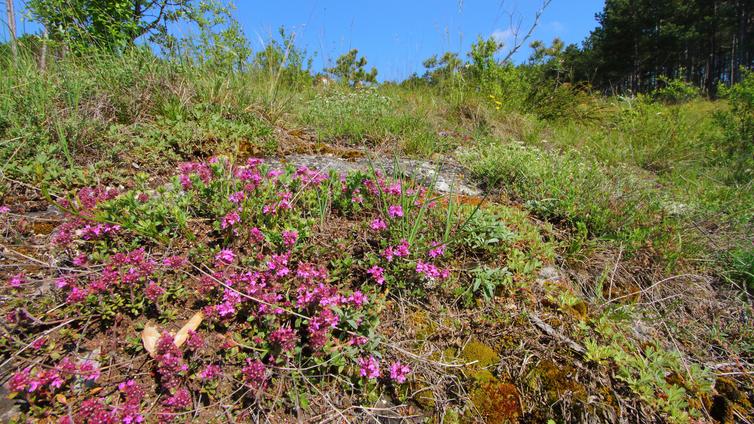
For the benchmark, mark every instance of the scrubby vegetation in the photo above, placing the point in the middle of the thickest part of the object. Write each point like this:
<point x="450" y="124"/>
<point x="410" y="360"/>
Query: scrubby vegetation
<point x="603" y="273"/>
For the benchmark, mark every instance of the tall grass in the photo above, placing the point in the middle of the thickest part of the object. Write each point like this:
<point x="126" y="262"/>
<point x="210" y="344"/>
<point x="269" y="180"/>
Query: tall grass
<point x="627" y="169"/>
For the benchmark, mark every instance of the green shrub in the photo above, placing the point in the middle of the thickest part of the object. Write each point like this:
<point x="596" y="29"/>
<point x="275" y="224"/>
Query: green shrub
<point x="738" y="127"/>
<point x="364" y="116"/>
<point x="565" y="187"/>
<point x="674" y="91"/>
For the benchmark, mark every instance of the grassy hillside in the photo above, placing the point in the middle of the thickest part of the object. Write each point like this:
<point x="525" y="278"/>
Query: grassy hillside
<point x="603" y="275"/>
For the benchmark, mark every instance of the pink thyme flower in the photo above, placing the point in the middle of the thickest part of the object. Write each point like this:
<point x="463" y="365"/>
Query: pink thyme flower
<point x="395" y="211"/>
<point x="39" y="343"/>
<point x="378" y="273"/>
<point x="401" y="251"/>
<point x="225" y="257"/>
<point x="398" y="372"/>
<point x="370" y="367"/>
<point x="195" y="340"/>
<point x="274" y="173"/>
<point x="230" y="219"/>
<point x="378" y="225"/>
<point x="356" y="197"/>
<point x="254" y="373"/>
<point x="211" y="372"/>
<point x="174" y="262"/>
<point x="180" y="400"/>
<point x="80" y="260"/>
<point x="358" y="298"/>
<point x="254" y="162"/>
<point x="17" y="280"/>
<point x="394" y="189"/>
<point x="89" y="370"/>
<point x="153" y="291"/>
<point x="290" y="237"/>
<point x="357" y="341"/>
<point x="285" y="337"/>
<point x="431" y="271"/>
<point x="20" y="380"/>
<point x="438" y="249"/>
<point x="76" y="295"/>
<point x="256" y="235"/>
<point x="4" y="209"/>
<point x="237" y="197"/>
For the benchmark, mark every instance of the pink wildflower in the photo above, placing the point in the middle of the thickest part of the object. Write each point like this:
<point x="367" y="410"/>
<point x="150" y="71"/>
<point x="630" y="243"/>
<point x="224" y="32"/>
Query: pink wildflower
<point x="378" y="273"/>
<point x="195" y="340"/>
<point x="80" y="260"/>
<point x="438" y="249"/>
<point x="153" y="291"/>
<point x="256" y="235"/>
<point x="76" y="295"/>
<point x="358" y="298"/>
<point x="17" y="280"/>
<point x="254" y="162"/>
<point x="370" y="367"/>
<point x="230" y="219"/>
<point x="378" y="225"/>
<point x="210" y="372"/>
<point x="237" y="197"/>
<point x="394" y="189"/>
<point x="4" y="209"/>
<point x="180" y="400"/>
<point x="285" y="337"/>
<point x="20" y="380"/>
<point x="357" y="341"/>
<point x="174" y="262"/>
<point x="38" y="343"/>
<point x="89" y="370"/>
<point x="273" y="174"/>
<point x="225" y="257"/>
<point x="431" y="271"/>
<point x="395" y="211"/>
<point x="290" y="237"/>
<point x="398" y="372"/>
<point x="61" y="282"/>
<point x="401" y="251"/>
<point x="254" y="373"/>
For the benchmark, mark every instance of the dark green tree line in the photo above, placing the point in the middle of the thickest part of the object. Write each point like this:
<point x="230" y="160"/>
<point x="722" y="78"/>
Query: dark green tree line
<point x="641" y="43"/>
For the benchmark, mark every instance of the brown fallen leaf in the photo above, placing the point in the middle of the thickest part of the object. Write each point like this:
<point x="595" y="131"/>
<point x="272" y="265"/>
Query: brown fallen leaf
<point x="149" y="337"/>
<point x="191" y="325"/>
<point x="151" y="334"/>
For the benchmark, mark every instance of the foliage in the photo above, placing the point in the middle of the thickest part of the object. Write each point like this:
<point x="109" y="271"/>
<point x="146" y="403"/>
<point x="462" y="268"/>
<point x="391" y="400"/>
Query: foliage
<point x="639" y="42"/>
<point x="285" y="62"/>
<point x="647" y="370"/>
<point x="220" y="45"/>
<point x="674" y="91"/>
<point x="487" y="281"/>
<point x="107" y="24"/>
<point x="565" y="187"/>
<point x="738" y="127"/>
<point x="351" y="69"/>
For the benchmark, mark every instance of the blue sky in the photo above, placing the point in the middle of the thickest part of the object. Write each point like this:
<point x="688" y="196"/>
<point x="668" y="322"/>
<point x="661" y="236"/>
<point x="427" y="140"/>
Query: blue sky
<point x="396" y="36"/>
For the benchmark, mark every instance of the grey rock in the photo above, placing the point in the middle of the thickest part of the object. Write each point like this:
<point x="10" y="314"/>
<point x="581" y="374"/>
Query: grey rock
<point x="446" y="177"/>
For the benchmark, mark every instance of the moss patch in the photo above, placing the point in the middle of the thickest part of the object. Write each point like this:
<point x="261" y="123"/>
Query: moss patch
<point x="477" y="351"/>
<point x="497" y="402"/>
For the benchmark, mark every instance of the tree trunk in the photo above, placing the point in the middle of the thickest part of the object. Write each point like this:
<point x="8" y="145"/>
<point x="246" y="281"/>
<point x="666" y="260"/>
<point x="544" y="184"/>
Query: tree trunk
<point x="43" y="51"/>
<point x="12" y="27"/>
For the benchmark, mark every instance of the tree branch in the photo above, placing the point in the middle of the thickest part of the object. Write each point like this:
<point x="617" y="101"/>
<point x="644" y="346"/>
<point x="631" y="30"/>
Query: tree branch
<point x="517" y="43"/>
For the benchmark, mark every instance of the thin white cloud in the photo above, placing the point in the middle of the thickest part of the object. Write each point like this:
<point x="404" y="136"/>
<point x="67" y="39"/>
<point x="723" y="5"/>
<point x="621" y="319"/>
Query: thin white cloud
<point x="503" y="35"/>
<point x="557" y="27"/>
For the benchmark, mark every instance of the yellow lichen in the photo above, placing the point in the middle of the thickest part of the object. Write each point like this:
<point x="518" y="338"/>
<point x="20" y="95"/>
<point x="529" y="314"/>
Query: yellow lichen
<point x="482" y="355"/>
